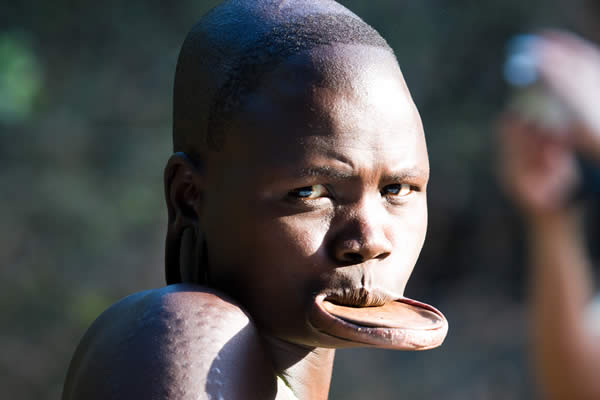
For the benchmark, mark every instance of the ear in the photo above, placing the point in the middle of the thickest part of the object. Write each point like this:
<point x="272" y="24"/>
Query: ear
<point x="183" y="193"/>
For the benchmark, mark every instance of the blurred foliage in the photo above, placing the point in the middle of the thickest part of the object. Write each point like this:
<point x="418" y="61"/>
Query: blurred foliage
<point x="85" y="115"/>
<point x="19" y="78"/>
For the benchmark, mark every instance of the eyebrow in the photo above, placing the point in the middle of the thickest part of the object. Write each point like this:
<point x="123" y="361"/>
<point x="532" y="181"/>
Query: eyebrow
<point x="325" y="172"/>
<point x="336" y="173"/>
<point x="407" y="174"/>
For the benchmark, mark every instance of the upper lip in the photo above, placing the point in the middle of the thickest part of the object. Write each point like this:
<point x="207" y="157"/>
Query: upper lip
<point x="360" y="297"/>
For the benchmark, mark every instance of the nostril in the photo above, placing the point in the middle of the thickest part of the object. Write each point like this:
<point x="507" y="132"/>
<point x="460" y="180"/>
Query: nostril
<point x="352" y="257"/>
<point x="382" y="255"/>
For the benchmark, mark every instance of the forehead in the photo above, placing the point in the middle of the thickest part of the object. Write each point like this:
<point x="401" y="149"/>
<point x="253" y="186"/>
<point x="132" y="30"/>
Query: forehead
<point x="329" y="100"/>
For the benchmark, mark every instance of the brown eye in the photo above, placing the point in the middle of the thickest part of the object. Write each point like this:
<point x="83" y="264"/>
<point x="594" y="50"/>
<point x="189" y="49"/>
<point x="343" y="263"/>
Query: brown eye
<point x="309" y="192"/>
<point x="399" y="189"/>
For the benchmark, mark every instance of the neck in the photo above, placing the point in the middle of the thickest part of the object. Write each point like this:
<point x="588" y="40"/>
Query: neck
<point x="306" y="370"/>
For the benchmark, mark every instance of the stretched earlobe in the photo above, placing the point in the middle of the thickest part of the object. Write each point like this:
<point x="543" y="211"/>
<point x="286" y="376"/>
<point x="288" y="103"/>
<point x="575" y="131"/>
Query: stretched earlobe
<point x="172" y="253"/>
<point x="187" y="258"/>
<point x="192" y="257"/>
<point x="184" y="247"/>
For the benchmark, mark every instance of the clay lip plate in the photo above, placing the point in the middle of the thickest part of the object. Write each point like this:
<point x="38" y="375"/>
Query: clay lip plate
<point x="402" y="324"/>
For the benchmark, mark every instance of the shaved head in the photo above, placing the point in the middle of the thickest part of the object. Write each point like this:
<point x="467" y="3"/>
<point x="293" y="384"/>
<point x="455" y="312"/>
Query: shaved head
<point x="305" y="176"/>
<point x="229" y="51"/>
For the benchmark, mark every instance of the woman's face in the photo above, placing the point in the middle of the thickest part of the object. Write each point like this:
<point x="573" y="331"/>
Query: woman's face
<point x="320" y="191"/>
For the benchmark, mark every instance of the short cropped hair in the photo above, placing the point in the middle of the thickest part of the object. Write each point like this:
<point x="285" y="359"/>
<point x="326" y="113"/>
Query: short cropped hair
<point x="226" y="54"/>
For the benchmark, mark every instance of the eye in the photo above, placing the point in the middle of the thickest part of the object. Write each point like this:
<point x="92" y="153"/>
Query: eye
<point x="309" y="192"/>
<point x="398" y="189"/>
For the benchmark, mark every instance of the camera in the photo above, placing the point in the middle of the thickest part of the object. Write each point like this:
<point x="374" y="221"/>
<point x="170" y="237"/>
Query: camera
<point x="532" y="100"/>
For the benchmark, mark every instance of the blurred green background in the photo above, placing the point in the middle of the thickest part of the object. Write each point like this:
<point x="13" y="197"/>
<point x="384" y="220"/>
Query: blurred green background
<point x="85" y="121"/>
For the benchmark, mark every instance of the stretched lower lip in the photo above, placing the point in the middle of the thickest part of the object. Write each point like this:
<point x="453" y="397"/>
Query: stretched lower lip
<point x="403" y="324"/>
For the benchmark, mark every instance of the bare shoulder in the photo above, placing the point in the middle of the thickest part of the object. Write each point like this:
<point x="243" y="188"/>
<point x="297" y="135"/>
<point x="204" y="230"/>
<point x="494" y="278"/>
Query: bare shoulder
<point x="177" y="342"/>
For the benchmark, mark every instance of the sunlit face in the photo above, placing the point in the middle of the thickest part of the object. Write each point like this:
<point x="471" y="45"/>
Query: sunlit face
<point x="320" y="190"/>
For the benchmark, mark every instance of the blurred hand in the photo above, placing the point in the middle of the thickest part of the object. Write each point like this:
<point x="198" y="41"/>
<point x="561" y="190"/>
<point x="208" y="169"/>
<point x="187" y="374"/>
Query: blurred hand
<point x="570" y="67"/>
<point x="537" y="168"/>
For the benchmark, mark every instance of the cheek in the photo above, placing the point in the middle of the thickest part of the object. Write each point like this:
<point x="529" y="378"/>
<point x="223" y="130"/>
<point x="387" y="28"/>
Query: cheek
<point x="409" y="227"/>
<point x="409" y="236"/>
<point x="420" y="226"/>
<point x="300" y="237"/>
<point x="269" y="252"/>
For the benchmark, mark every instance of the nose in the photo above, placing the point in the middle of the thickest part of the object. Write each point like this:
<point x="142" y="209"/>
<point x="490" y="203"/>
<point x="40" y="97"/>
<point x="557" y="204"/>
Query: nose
<point x="362" y="237"/>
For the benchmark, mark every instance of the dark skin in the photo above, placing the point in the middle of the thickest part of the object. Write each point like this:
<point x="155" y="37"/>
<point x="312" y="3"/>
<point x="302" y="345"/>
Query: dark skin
<point x="319" y="193"/>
